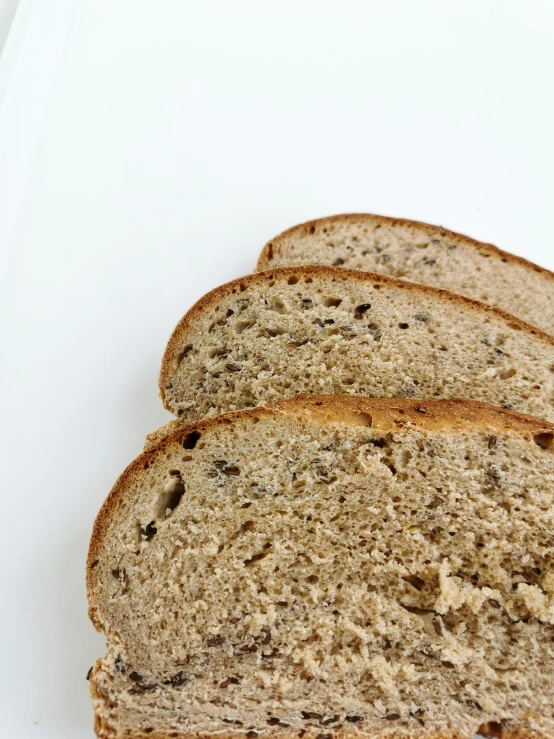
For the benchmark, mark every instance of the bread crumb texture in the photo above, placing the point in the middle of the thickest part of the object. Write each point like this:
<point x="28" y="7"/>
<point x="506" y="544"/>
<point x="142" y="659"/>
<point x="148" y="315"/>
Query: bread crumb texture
<point x="330" y="567"/>
<point x="330" y="331"/>
<point x="421" y="253"/>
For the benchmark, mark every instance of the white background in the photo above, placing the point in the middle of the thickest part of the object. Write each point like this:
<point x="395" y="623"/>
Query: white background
<point x="148" y="149"/>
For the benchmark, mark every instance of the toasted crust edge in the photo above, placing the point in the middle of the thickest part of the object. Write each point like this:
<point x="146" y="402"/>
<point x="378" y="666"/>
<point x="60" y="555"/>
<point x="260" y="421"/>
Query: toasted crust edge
<point x="242" y="283"/>
<point x="385" y="414"/>
<point x="427" y="228"/>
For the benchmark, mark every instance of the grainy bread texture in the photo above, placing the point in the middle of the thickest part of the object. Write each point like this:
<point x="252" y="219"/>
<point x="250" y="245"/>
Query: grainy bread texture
<point x="330" y="567"/>
<point x="421" y="253"/>
<point x="328" y="330"/>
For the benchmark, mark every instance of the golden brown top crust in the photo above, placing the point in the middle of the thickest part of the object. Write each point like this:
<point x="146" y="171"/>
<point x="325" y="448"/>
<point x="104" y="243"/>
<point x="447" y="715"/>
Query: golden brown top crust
<point x="175" y="342"/>
<point x="382" y="414"/>
<point x="264" y="261"/>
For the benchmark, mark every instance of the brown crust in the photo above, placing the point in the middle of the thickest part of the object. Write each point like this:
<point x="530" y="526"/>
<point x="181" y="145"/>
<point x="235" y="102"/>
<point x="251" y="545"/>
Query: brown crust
<point x="484" y="248"/>
<point x="176" y="340"/>
<point x="385" y="414"/>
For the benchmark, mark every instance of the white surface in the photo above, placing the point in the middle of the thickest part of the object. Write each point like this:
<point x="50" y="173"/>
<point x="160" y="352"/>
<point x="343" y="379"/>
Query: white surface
<point x="7" y="12"/>
<point x="148" y="151"/>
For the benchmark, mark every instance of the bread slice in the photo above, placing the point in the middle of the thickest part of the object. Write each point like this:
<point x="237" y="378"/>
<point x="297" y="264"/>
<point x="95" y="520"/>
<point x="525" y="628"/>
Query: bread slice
<point x="335" y="331"/>
<point x="330" y="567"/>
<point x="421" y="253"/>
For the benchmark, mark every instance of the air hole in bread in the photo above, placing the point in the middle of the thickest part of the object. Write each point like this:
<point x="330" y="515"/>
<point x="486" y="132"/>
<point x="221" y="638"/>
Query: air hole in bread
<point x="259" y="556"/>
<point x="292" y="280"/>
<point x="186" y="351"/>
<point x="190" y="440"/>
<point x="544" y="440"/>
<point x="147" y="533"/>
<point x="364" y="419"/>
<point x="332" y="302"/>
<point x="507" y="373"/>
<point x="241" y="326"/>
<point x="416" y="582"/>
<point x="169" y="500"/>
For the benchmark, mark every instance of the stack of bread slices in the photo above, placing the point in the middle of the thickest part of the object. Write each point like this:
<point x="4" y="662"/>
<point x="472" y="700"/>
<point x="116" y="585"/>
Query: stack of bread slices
<point x="348" y="530"/>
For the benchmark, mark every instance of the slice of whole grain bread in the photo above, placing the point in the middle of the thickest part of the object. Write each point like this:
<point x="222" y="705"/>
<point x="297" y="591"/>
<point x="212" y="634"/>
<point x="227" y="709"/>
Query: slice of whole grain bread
<point x="330" y="567"/>
<point x="335" y="331"/>
<point x="422" y="253"/>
